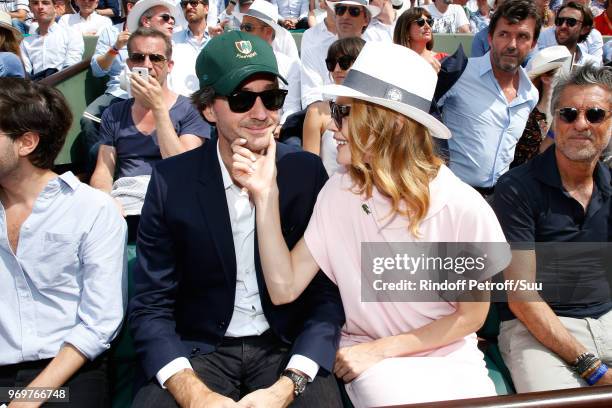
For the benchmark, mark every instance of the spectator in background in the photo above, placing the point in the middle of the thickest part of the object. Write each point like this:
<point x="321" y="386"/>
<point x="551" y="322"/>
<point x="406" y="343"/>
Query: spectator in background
<point x="487" y="107"/>
<point x="559" y="337"/>
<point x="574" y="29"/>
<point x="18" y="11"/>
<point x="414" y="30"/>
<point x="153" y="125"/>
<point x="11" y="65"/>
<point x="351" y="19"/>
<point x="110" y="9"/>
<point x="261" y="20"/>
<point x="546" y="14"/>
<point x="603" y="22"/>
<point x="10" y="36"/>
<point x="316" y="137"/>
<point x="541" y="69"/>
<point x="448" y="17"/>
<point x="52" y="47"/>
<point x="480" y="18"/>
<point x="382" y="25"/>
<point x="87" y="21"/>
<point x="158" y="14"/>
<point x="293" y="13"/>
<point x="63" y="252"/>
<point x="187" y="44"/>
<point x="480" y="42"/>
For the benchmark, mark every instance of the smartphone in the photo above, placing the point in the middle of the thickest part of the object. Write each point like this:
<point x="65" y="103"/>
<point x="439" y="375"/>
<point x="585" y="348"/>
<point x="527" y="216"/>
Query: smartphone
<point x="142" y="72"/>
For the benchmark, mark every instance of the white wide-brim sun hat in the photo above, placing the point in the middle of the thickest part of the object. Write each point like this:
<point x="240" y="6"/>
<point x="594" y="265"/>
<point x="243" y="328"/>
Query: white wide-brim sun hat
<point x="6" y="23"/>
<point x="548" y="59"/>
<point x="374" y="10"/>
<point x="265" y="12"/>
<point x="395" y="77"/>
<point x="143" y="5"/>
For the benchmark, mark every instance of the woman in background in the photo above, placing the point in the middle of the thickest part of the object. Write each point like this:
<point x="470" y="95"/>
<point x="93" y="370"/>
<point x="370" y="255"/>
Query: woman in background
<point x="10" y="37"/>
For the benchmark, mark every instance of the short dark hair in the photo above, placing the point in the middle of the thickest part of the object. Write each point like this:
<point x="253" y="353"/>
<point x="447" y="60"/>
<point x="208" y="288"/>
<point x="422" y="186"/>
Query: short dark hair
<point x="28" y="106"/>
<point x="350" y="46"/>
<point x="587" y="16"/>
<point x="150" y="33"/>
<point x="515" y="11"/>
<point x="402" y="26"/>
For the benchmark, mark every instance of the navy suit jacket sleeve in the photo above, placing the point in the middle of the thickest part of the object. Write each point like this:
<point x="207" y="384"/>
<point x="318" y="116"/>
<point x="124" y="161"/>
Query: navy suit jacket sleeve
<point x="151" y="313"/>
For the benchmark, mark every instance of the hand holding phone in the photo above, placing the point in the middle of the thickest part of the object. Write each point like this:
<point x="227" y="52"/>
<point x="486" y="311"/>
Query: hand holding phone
<point x="142" y="72"/>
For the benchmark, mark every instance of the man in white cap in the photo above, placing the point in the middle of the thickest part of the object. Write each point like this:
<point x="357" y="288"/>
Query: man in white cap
<point x="187" y="44"/>
<point x="351" y="19"/>
<point x="261" y="20"/>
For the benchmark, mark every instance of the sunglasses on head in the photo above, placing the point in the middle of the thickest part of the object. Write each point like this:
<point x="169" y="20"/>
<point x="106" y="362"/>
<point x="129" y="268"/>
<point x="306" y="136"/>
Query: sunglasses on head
<point x="421" y="21"/>
<point x="354" y="11"/>
<point x="192" y="3"/>
<point x="248" y="27"/>
<point x="338" y="112"/>
<point x="139" y="58"/>
<point x="242" y="101"/>
<point x="592" y="115"/>
<point x="570" y="21"/>
<point x="344" y="61"/>
<point x="167" y="18"/>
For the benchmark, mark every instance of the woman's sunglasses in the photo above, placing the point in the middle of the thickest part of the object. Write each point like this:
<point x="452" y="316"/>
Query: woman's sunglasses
<point x="344" y="61"/>
<point x="571" y="22"/>
<point x="592" y="115"/>
<point x="421" y="22"/>
<point x="243" y="101"/>
<point x="354" y="11"/>
<point x="139" y="58"/>
<point x="338" y="112"/>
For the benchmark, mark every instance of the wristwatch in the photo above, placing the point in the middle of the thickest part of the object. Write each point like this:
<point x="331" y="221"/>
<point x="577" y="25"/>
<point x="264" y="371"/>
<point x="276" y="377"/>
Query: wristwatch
<point x="299" y="382"/>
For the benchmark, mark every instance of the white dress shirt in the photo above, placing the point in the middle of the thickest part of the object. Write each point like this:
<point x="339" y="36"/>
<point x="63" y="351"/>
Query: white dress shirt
<point x="248" y="318"/>
<point x="94" y="23"/>
<point x="292" y="8"/>
<point x="315" y="43"/>
<point x="67" y="281"/>
<point x="185" y="51"/>
<point x="290" y="68"/>
<point x="61" y="47"/>
<point x="378" y="31"/>
<point x="284" y="42"/>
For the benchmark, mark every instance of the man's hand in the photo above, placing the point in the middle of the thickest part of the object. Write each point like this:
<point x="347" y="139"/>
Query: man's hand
<point x="149" y="94"/>
<point x="213" y="400"/>
<point x="354" y="360"/>
<point x="289" y="23"/>
<point x="218" y="29"/>
<point x="255" y="172"/>
<point x="122" y="39"/>
<point x="278" y="395"/>
<point x="190" y="392"/>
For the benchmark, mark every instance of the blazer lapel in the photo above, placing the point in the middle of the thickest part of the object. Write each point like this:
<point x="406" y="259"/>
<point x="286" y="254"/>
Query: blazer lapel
<point x="213" y="203"/>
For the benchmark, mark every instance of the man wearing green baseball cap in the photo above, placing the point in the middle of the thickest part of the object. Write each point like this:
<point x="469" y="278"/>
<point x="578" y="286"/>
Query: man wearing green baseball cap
<point x="203" y="322"/>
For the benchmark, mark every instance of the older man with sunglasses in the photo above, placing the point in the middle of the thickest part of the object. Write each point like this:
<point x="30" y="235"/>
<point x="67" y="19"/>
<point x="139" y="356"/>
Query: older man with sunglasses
<point x="153" y="125"/>
<point x="555" y="209"/>
<point x="351" y="20"/>
<point x="202" y="319"/>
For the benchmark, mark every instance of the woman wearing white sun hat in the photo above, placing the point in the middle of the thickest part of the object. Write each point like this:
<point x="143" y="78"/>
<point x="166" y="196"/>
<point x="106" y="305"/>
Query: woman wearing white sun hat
<point x="394" y="189"/>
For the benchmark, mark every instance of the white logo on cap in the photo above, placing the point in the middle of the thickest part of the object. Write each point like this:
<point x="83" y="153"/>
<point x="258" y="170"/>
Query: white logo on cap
<point x="394" y="94"/>
<point x="244" y="47"/>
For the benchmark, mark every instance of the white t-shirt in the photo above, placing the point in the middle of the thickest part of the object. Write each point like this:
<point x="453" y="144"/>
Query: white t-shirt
<point x="450" y="21"/>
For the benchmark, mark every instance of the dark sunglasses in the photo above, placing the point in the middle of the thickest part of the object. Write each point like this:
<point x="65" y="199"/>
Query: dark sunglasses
<point x="421" y="21"/>
<point x="338" y="112"/>
<point x="593" y="115"/>
<point x="167" y="18"/>
<point x="243" y="101"/>
<point x="571" y="21"/>
<point x="248" y="27"/>
<point x="139" y="58"/>
<point x="192" y="3"/>
<point x="354" y="11"/>
<point x="344" y="61"/>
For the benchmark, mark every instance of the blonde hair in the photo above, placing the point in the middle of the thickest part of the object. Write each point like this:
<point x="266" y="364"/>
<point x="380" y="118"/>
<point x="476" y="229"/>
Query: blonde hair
<point x="396" y="155"/>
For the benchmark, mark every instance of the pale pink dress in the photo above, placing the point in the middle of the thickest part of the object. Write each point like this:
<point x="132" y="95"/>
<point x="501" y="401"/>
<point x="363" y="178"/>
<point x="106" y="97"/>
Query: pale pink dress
<point x="334" y="235"/>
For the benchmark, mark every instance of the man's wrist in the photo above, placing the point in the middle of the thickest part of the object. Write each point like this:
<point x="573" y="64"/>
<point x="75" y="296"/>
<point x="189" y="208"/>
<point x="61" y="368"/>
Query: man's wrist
<point x="284" y="389"/>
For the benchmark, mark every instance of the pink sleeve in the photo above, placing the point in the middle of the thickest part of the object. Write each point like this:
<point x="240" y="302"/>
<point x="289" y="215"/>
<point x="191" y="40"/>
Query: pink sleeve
<point x="316" y="235"/>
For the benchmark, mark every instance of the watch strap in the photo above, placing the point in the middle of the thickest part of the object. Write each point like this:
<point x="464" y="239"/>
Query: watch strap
<point x="299" y="381"/>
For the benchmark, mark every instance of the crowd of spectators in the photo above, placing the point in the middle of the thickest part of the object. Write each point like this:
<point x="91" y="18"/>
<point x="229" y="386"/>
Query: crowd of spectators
<point x="179" y="153"/>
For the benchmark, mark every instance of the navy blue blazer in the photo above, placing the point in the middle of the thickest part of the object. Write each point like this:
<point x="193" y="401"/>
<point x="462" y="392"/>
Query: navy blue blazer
<point x="185" y="277"/>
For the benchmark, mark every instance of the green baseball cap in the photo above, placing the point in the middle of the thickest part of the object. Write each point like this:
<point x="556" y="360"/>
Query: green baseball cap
<point x="230" y="58"/>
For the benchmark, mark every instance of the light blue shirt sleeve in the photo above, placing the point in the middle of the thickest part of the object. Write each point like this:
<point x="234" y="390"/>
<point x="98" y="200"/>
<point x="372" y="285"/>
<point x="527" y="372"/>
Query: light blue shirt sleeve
<point x="106" y="39"/>
<point x="480" y="44"/>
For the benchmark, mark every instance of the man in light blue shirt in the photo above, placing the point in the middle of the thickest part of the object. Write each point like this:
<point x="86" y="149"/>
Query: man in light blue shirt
<point x="62" y="254"/>
<point x="488" y="106"/>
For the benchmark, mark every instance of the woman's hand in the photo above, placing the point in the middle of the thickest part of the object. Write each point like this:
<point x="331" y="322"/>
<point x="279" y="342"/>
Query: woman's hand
<point x="354" y="360"/>
<point x="254" y="171"/>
